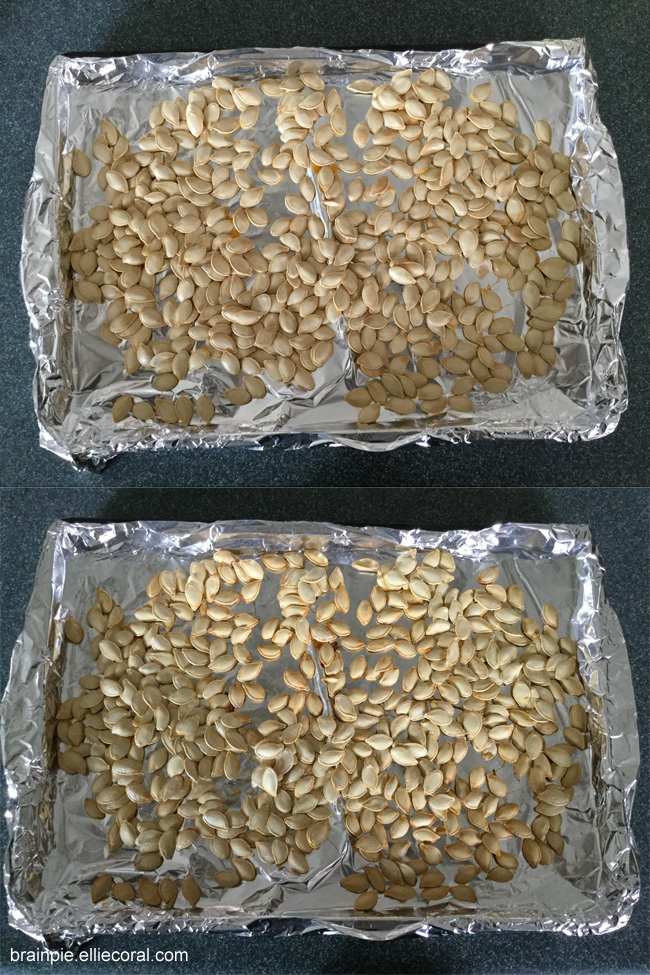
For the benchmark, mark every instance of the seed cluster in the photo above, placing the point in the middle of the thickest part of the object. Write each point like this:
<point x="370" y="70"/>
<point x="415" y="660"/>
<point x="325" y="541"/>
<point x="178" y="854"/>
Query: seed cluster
<point x="176" y="724"/>
<point x="413" y="197"/>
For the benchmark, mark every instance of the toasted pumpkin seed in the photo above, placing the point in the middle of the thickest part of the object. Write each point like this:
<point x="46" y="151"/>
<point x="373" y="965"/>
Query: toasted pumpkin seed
<point x="73" y="630"/>
<point x="366" y="901"/>
<point x="101" y="888"/>
<point x="168" y="892"/>
<point x="191" y="891"/>
<point x="149" y="892"/>
<point x="123" y="892"/>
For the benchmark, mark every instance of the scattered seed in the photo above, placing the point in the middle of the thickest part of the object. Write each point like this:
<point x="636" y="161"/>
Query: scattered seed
<point x="149" y="892"/>
<point x="435" y="893"/>
<point x="366" y="901"/>
<point x="81" y="164"/>
<point x="356" y="882"/>
<point x="220" y="185"/>
<point x="123" y="892"/>
<point x="73" y="630"/>
<point x="101" y="888"/>
<point x="191" y="891"/>
<point x="463" y="893"/>
<point x="388" y="748"/>
<point x="122" y="407"/>
<point x="400" y="892"/>
<point x="226" y="878"/>
<point x="168" y="892"/>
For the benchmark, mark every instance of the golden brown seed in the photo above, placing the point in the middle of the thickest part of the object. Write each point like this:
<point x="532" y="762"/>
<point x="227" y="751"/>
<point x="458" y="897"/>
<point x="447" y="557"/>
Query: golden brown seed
<point x="167" y="843"/>
<point x="481" y="93"/>
<point x="148" y="861"/>
<point x="168" y="892"/>
<point x="81" y="164"/>
<point x="143" y="411"/>
<point x="190" y="891"/>
<point x="578" y="717"/>
<point x="466" y="874"/>
<point x="531" y="852"/>
<point x="433" y="878"/>
<point x="245" y="868"/>
<point x="149" y="892"/>
<point x="458" y="851"/>
<point x="101" y="888"/>
<point x="500" y="875"/>
<point x="184" y="409"/>
<point x="123" y="892"/>
<point x="358" y="397"/>
<point x="227" y="878"/>
<point x="205" y="408"/>
<point x="376" y="878"/>
<point x="549" y="615"/>
<point x="73" y="630"/>
<point x="435" y="893"/>
<point x="238" y="396"/>
<point x="369" y="413"/>
<point x="356" y="882"/>
<point x="92" y="809"/>
<point x="572" y="776"/>
<point x="366" y="901"/>
<point x="400" y="892"/>
<point x="463" y="893"/>
<point x="122" y="407"/>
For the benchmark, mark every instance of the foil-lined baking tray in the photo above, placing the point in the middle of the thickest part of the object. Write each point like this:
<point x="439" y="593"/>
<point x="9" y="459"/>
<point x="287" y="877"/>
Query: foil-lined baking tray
<point x="55" y="851"/>
<point x="79" y="376"/>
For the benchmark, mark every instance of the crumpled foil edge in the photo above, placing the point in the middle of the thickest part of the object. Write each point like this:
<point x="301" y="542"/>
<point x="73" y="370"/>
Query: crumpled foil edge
<point x="34" y="667"/>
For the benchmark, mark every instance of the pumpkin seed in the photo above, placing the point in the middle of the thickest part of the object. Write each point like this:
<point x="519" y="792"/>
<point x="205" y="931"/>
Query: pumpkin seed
<point x="81" y="164"/>
<point x="149" y="892"/>
<point x="463" y="893"/>
<point x="400" y="892"/>
<point x="123" y="892"/>
<point x="382" y="325"/>
<point x="356" y="882"/>
<point x="435" y="893"/>
<point x="122" y="407"/>
<point x="226" y="878"/>
<point x="73" y="630"/>
<point x="380" y="752"/>
<point x="168" y="892"/>
<point x="101" y="888"/>
<point x="366" y="901"/>
<point x="191" y="891"/>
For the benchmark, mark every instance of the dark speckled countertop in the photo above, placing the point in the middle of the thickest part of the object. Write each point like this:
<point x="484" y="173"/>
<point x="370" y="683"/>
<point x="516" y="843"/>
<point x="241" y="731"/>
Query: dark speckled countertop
<point x="35" y="32"/>
<point x="619" y="522"/>
<point x="325" y="484"/>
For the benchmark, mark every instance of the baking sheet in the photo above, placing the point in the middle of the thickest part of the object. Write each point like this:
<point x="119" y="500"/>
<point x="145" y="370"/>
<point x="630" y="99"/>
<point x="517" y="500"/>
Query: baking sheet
<point x="55" y="851"/>
<point x="79" y="376"/>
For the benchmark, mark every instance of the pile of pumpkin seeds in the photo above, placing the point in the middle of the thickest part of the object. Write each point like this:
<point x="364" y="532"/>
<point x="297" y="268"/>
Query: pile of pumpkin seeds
<point x="385" y="703"/>
<point x="414" y="196"/>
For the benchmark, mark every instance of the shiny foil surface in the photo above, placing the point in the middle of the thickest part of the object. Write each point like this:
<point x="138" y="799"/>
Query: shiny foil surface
<point x="56" y="851"/>
<point x="78" y="375"/>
